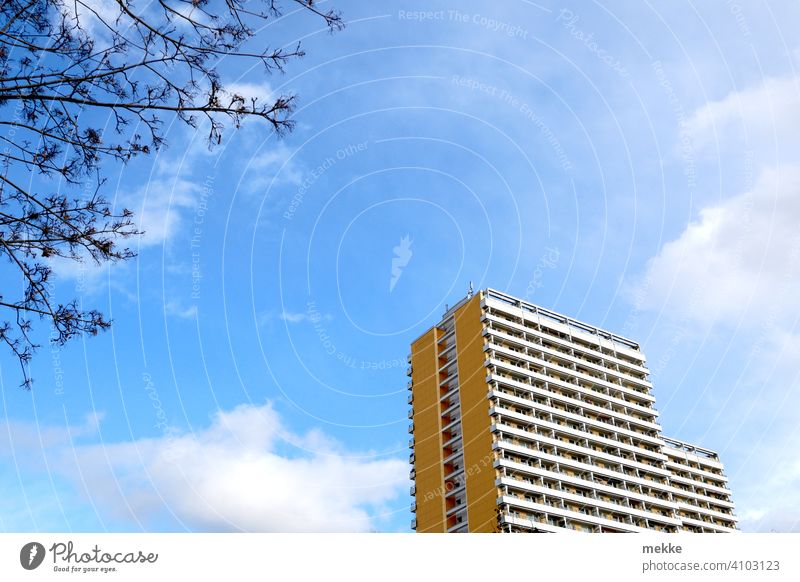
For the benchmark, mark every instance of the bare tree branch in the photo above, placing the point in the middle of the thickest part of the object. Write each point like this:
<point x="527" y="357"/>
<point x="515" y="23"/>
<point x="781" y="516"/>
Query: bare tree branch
<point x="67" y="67"/>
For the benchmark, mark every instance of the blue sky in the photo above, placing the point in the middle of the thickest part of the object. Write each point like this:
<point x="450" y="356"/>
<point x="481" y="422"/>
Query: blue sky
<point x="633" y="165"/>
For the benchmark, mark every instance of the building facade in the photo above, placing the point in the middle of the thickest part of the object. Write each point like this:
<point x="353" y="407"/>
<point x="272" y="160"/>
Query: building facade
<point x="524" y="420"/>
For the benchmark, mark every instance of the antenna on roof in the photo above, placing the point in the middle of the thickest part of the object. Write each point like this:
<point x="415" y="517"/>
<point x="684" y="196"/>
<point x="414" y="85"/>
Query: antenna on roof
<point x="471" y="291"/>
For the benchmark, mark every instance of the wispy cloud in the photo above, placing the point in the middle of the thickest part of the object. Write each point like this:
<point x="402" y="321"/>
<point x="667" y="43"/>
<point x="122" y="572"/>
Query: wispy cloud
<point x="94" y="17"/>
<point x="293" y="317"/>
<point x="744" y="248"/>
<point x="233" y="475"/>
<point x="734" y="256"/>
<point x="260" y="91"/>
<point x="175" y="308"/>
<point x="159" y="207"/>
<point x="275" y="166"/>
<point x="765" y="115"/>
<point x="734" y="273"/>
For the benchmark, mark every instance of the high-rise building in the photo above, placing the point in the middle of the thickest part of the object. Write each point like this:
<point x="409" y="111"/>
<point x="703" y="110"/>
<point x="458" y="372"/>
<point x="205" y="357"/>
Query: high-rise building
<point x="524" y="420"/>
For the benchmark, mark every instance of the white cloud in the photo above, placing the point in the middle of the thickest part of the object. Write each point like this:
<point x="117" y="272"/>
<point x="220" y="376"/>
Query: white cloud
<point x="773" y="512"/>
<point x="95" y="17"/>
<point x="277" y="157"/>
<point x="734" y="275"/>
<point x="17" y="439"/>
<point x="85" y="273"/>
<point x="233" y="475"/>
<point x="312" y="316"/>
<point x="765" y="117"/>
<point x="273" y="167"/>
<point x="158" y="207"/>
<point x="294" y="317"/>
<point x="261" y="91"/>
<point x="739" y="259"/>
<point x="176" y="309"/>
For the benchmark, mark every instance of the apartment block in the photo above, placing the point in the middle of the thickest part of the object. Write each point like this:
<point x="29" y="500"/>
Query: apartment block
<point x="525" y="420"/>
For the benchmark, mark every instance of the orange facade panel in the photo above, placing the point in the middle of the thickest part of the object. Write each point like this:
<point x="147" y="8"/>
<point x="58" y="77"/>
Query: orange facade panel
<point x="428" y="465"/>
<point x="479" y="472"/>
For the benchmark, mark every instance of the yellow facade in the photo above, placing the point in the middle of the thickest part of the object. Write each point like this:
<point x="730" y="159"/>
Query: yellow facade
<point x="475" y="421"/>
<point x="479" y="473"/>
<point x="428" y="465"/>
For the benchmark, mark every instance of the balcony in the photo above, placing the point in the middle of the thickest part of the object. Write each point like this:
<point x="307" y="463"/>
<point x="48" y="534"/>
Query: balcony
<point x="570" y="379"/>
<point x="570" y="346"/>
<point x="569" y="395"/>
<point x="411" y="427"/>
